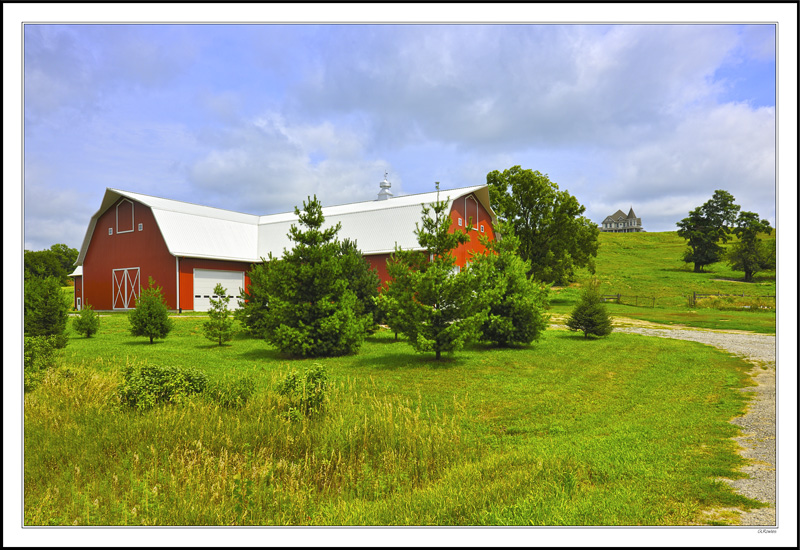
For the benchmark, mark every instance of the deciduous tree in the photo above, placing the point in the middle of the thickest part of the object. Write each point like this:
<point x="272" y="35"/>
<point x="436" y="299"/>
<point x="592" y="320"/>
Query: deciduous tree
<point x="749" y="253"/>
<point x="554" y="235"/>
<point x="708" y="227"/>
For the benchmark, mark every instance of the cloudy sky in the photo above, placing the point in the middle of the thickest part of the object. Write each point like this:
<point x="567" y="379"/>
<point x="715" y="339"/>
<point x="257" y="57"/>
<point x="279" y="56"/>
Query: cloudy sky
<point x="255" y="117"/>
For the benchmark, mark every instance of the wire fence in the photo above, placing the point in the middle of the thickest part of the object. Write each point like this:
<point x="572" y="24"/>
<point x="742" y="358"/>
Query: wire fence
<point x="646" y="301"/>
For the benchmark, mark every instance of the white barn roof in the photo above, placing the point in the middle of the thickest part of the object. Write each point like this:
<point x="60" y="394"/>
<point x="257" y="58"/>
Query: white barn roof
<point x="195" y="231"/>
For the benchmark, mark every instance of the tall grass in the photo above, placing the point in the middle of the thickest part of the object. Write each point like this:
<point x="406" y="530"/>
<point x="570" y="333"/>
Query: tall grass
<point x="620" y="431"/>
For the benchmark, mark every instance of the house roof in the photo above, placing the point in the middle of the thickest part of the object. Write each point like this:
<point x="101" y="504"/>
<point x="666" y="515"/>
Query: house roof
<point x="196" y="231"/>
<point x="620" y="215"/>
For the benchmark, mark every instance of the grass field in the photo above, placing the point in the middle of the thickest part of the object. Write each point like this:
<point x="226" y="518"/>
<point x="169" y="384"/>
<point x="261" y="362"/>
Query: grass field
<point x="625" y="430"/>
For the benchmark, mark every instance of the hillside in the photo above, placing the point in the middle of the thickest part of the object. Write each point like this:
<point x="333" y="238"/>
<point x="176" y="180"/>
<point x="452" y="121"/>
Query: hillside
<point x="647" y="270"/>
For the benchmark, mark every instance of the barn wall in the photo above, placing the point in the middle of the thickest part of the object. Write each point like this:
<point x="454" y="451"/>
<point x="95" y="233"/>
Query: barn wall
<point x="144" y="249"/>
<point x="187" y="267"/>
<point x="378" y="263"/>
<point x="464" y="209"/>
<point x="77" y="291"/>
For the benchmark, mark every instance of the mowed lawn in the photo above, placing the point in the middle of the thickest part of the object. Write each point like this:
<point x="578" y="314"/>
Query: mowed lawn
<point x="625" y="430"/>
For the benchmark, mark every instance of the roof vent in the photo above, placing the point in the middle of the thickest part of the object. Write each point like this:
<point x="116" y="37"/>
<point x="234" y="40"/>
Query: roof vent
<point x="385" y="194"/>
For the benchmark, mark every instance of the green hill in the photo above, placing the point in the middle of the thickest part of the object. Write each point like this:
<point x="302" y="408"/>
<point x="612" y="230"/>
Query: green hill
<point x="654" y="284"/>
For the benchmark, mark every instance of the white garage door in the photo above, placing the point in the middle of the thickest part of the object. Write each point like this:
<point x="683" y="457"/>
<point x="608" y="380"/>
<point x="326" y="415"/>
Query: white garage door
<point x="206" y="279"/>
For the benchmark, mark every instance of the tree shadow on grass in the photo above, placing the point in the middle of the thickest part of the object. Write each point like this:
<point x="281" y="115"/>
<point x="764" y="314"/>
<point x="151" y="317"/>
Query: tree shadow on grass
<point x="407" y="361"/>
<point x="145" y="342"/>
<point x="264" y="354"/>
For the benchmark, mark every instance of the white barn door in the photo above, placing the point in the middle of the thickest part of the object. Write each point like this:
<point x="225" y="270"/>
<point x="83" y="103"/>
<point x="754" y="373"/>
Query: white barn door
<point x="125" y="287"/>
<point x="206" y="279"/>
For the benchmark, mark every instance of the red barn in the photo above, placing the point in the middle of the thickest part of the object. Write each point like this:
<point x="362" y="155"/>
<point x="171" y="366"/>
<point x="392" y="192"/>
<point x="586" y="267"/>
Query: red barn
<point x="187" y="248"/>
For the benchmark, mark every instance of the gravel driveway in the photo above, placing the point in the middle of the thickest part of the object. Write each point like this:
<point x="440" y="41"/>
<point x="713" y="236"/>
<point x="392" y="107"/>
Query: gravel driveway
<point x="757" y="441"/>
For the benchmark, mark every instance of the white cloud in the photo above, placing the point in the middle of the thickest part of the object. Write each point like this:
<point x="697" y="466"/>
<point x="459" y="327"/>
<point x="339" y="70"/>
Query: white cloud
<point x="271" y="166"/>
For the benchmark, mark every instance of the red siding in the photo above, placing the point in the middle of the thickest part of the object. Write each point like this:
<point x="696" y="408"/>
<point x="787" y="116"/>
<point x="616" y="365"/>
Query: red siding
<point x="187" y="267"/>
<point x="465" y="208"/>
<point x="378" y="263"/>
<point x="144" y="249"/>
<point x="77" y="292"/>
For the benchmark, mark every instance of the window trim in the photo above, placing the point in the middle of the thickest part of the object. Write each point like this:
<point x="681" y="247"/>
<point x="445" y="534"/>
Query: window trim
<point x="133" y="218"/>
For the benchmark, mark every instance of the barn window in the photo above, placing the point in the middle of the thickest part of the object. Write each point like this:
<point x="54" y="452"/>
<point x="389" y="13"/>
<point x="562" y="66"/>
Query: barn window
<point x="125" y="216"/>
<point x="459" y="222"/>
<point x="110" y="230"/>
<point x="482" y="228"/>
<point x="470" y="206"/>
<point x="140" y="227"/>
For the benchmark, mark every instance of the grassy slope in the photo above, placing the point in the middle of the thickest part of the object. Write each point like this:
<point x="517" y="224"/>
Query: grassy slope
<point x="567" y="432"/>
<point x="649" y="265"/>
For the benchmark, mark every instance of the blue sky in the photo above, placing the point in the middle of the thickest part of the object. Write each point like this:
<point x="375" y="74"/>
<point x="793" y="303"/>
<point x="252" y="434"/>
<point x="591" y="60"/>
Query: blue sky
<point x="255" y="118"/>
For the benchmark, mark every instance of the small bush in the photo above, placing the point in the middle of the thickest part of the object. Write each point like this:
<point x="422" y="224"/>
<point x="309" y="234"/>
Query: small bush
<point x="147" y="385"/>
<point x="39" y="356"/>
<point x="87" y="322"/>
<point x="232" y="393"/>
<point x="306" y="391"/>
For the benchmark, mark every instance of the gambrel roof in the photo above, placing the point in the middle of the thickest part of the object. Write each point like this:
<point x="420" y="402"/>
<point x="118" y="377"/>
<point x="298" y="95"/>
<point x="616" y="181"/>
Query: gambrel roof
<point x="196" y="231"/>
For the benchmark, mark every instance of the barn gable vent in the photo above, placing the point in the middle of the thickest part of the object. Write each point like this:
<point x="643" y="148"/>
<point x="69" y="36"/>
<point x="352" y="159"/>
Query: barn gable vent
<point x="385" y="194"/>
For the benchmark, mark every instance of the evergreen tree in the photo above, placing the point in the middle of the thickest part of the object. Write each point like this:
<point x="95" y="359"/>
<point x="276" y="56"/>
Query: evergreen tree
<point x="151" y="316"/>
<point x="361" y="278"/>
<point x="749" y="253"/>
<point x="516" y="303"/>
<point x="590" y="315"/>
<point x="310" y="309"/>
<point x="219" y="327"/>
<point x="429" y="300"/>
<point x="253" y="304"/>
<point x="46" y="309"/>
<point x="87" y="322"/>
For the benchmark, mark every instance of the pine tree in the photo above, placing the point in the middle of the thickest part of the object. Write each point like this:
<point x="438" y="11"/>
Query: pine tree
<point x="151" y="316"/>
<point x="87" y="322"/>
<point x="430" y="300"/>
<point x="310" y="309"/>
<point x="219" y="327"/>
<point x="516" y="303"/>
<point x="590" y="315"/>
<point x="46" y="309"/>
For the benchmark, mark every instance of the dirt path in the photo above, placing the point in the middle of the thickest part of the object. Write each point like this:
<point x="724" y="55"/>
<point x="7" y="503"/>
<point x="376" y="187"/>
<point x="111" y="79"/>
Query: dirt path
<point x="758" y="439"/>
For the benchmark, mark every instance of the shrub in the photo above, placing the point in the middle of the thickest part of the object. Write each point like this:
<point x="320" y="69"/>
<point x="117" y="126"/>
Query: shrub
<point x="151" y="316"/>
<point x="39" y="356"/>
<point x="306" y="391"/>
<point x="148" y="385"/>
<point x="87" y="322"/>
<point x="590" y="315"/>
<point x="232" y="393"/>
